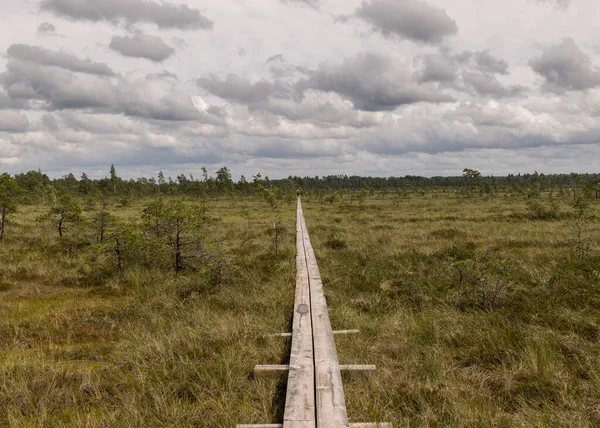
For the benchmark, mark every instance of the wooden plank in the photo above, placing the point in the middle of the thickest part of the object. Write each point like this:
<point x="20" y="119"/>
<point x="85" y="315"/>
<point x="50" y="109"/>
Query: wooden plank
<point x="260" y="369"/>
<point x="371" y="425"/>
<point x="315" y="395"/>
<point x="352" y="331"/>
<point x="259" y="426"/>
<point x="335" y="332"/>
<point x="299" y="409"/>
<point x="357" y="367"/>
<point x="330" y="401"/>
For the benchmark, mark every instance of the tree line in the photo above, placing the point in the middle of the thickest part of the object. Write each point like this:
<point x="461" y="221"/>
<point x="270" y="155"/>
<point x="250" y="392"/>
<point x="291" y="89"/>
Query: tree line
<point x="38" y="187"/>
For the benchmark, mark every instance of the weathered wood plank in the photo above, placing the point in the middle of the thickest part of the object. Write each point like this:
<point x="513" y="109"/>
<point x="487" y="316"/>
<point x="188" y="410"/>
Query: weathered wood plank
<point x="335" y="332"/>
<point x="261" y="369"/>
<point x="358" y="367"/>
<point x="299" y="409"/>
<point x="371" y="425"/>
<point x="330" y="401"/>
<point x="315" y="395"/>
<point x="259" y="426"/>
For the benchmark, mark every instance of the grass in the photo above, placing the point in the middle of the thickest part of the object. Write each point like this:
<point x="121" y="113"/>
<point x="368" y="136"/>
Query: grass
<point x="83" y="347"/>
<point x="444" y="358"/>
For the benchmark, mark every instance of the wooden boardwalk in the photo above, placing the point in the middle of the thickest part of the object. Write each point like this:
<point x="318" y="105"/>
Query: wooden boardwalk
<point x="300" y="397"/>
<point x="315" y="394"/>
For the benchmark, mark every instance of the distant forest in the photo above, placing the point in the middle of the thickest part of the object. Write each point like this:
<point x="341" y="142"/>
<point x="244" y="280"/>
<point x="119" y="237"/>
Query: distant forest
<point x="38" y="186"/>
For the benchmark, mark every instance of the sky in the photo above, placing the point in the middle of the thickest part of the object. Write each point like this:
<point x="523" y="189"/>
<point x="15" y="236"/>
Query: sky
<point x="299" y="87"/>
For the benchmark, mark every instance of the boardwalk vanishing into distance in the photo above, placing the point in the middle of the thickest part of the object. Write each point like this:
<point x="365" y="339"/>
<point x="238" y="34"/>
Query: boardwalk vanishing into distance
<point x="315" y="394"/>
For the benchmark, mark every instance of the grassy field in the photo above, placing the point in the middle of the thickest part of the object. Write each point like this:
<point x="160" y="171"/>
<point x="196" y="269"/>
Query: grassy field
<point x="475" y="314"/>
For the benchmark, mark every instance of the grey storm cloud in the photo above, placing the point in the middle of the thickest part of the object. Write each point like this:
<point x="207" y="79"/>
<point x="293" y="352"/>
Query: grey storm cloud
<point x="7" y="102"/>
<point x="280" y="99"/>
<point x="565" y="67"/>
<point x="372" y="82"/>
<point x="408" y="19"/>
<point x="467" y="71"/>
<point x="94" y="123"/>
<point x="437" y="68"/>
<point x="487" y="63"/>
<point x="163" y="14"/>
<point x="13" y="121"/>
<point x="488" y="84"/>
<point x="42" y="56"/>
<point x="60" y="88"/>
<point x="239" y="89"/>
<point x="50" y="122"/>
<point x="146" y="99"/>
<point x="46" y="28"/>
<point x="142" y="46"/>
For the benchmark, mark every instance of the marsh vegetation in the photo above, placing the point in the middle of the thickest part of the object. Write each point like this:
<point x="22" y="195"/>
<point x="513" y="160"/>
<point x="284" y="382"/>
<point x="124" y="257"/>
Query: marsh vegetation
<point x="478" y="308"/>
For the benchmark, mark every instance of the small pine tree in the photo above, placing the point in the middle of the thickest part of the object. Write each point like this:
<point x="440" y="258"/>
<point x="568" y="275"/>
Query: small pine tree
<point x="66" y="211"/>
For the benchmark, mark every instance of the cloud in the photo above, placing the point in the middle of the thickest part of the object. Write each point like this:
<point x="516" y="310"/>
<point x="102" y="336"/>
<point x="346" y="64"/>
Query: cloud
<point x="101" y="124"/>
<point x="43" y="56"/>
<point x="372" y="82"/>
<point x="274" y="58"/>
<point x="13" y="121"/>
<point x="408" y="19"/>
<point x="46" y="28"/>
<point x="474" y="72"/>
<point x="57" y="87"/>
<point x="163" y="75"/>
<point x="142" y="46"/>
<point x="239" y="89"/>
<point x="560" y="4"/>
<point x="311" y="3"/>
<point x="565" y="67"/>
<point x="163" y="14"/>
<point x="458" y="127"/>
<point x="60" y="88"/>
<point x="441" y="68"/>
<point x="270" y="102"/>
<point x="487" y="63"/>
<point x="487" y="84"/>
<point x="150" y="100"/>
<point x="8" y="103"/>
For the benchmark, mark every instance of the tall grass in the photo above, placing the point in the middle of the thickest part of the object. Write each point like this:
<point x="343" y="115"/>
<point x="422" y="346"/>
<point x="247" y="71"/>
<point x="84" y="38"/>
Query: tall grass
<point x="444" y="357"/>
<point x="82" y="346"/>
